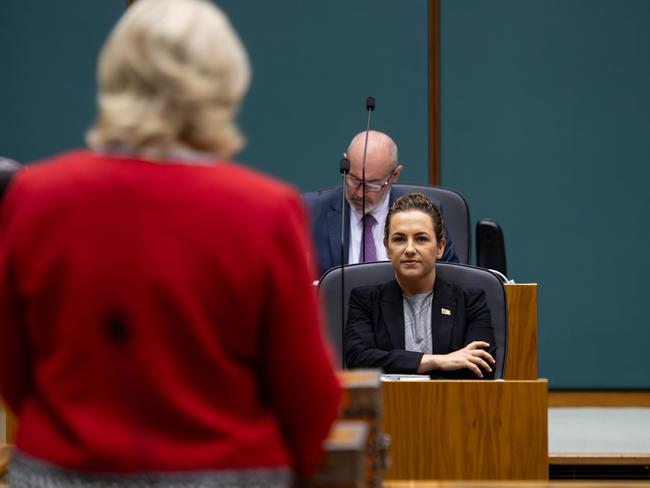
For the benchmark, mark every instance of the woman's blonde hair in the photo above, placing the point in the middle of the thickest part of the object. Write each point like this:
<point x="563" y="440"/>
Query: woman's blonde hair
<point x="171" y="75"/>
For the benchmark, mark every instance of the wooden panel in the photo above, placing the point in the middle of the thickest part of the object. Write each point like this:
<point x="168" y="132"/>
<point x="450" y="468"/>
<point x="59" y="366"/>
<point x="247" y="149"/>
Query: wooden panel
<point x="8" y="429"/>
<point x="12" y="426"/>
<point x="472" y="430"/>
<point x="614" y="458"/>
<point x="599" y="399"/>
<point x="344" y="461"/>
<point x="5" y="454"/>
<point x="521" y="361"/>
<point x="362" y="400"/>
<point x="434" y="92"/>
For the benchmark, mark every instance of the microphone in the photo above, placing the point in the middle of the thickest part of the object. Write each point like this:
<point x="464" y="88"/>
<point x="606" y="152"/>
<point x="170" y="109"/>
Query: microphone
<point x="370" y="107"/>
<point x="344" y="169"/>
<point x="344" y="166"/>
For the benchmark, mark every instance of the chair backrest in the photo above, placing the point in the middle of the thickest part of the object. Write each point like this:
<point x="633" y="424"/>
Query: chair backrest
<point x="455" y="211"/>
<point x="490" y="246"/>
<point x="329" y="294"/>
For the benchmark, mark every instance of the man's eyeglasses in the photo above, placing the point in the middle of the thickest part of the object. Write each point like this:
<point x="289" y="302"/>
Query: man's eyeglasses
<point x="353" y="183"/>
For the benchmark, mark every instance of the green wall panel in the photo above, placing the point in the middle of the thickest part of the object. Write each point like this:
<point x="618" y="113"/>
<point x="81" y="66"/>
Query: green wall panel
<point x="47" y="72"/>
<point x="546" y="128"/>
<point x="545" y="123"/>
<point x="314" y="64"/>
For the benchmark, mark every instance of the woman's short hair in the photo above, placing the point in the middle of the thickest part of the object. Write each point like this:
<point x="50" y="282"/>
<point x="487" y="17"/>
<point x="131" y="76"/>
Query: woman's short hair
<point x="416" y="201"/>
<point x="171" y="75"/>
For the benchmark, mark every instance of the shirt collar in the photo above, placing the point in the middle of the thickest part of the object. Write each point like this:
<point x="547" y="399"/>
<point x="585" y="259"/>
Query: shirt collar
<point x="379" y="212"/>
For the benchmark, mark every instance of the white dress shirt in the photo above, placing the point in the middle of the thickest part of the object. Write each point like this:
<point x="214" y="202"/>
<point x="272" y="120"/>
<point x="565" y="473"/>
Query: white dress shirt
<point x="356" y="227"/>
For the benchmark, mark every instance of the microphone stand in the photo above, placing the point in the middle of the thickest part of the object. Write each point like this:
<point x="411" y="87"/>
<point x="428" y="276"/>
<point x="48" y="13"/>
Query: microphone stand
<point x="370" y="106"/>
<point x="344" y="169"/>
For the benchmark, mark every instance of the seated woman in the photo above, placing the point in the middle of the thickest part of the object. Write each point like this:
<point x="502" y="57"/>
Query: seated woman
<point x="418" y="323"/>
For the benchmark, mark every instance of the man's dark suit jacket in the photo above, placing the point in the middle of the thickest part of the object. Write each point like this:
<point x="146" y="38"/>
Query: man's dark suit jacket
<point x="324" y="209"/>
<point x="374" y="336"/>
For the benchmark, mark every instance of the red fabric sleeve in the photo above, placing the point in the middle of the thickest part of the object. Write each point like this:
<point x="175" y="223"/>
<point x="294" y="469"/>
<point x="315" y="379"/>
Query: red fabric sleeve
<point x="15" y="362"/>
<point x="304" y="390"/>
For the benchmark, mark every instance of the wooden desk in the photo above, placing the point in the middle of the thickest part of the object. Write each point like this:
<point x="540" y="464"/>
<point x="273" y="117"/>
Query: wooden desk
<point x="521" y="360"/>
<point x="5" y="452"/>
<point x="467" y="430"/>
<point x="7" y="425"/>
<point x="600" y="459"/>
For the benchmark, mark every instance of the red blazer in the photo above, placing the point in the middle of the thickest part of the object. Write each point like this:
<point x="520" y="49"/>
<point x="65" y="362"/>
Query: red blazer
<point x="158" y="317"/>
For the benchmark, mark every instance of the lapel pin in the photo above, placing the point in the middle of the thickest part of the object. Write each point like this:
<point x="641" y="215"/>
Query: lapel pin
<point x="445" y="311"/>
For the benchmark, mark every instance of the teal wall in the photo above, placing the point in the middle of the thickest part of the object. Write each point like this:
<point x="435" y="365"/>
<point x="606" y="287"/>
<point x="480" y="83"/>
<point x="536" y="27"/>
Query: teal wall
<point x="47" y="72"/>
<point x="314" y="64"/>
<point x="546" y="127"/>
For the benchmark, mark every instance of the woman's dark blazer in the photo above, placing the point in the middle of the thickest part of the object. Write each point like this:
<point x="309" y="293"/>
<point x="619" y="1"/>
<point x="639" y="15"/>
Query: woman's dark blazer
<point x="374" y="336"/>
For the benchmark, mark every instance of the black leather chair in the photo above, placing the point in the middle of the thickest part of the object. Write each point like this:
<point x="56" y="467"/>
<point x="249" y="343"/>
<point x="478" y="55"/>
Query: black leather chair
<point x="455" y="212"/>
<point x="329" y="294"/>
<point x="490" y="246"/>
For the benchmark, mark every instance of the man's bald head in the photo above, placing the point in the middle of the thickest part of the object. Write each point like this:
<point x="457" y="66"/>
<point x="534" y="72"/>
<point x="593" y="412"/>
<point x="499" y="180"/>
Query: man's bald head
<point x="381" y="167"/>
<point x="379" y="144"/>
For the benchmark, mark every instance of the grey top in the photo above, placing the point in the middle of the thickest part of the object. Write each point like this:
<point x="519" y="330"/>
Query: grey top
<point x="417" y="323"/>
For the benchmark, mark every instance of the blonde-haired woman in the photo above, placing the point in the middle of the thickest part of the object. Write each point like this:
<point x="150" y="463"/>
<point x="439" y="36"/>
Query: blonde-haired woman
<point x="157" y="322"/>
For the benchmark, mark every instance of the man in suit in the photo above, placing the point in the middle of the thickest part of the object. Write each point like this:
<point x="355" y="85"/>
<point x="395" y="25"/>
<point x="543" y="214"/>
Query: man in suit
<point x="382" y="171"/>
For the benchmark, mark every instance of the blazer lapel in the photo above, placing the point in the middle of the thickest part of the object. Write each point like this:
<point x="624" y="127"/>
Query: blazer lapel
<point x="443" y="314"/>
<point x="392" y="311"/>
<point x="334" y="230"/>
